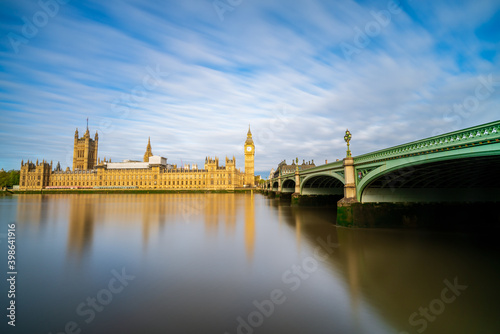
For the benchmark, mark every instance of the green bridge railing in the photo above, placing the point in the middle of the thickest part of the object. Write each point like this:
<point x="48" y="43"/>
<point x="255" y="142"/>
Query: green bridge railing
<point x="478" y="134"/>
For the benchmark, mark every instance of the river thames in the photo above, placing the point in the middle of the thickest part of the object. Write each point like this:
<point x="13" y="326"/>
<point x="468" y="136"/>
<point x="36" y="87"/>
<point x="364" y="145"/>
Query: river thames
<point x="237" y="263"/>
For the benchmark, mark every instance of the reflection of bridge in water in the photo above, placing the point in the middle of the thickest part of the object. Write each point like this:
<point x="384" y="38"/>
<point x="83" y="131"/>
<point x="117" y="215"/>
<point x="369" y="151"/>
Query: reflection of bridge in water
<point x="393" y="273"/>
<point x="460" y="166"/>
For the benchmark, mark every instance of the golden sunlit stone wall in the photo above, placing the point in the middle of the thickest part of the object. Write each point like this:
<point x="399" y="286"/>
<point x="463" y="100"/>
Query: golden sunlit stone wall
<point x="150" y="176"/>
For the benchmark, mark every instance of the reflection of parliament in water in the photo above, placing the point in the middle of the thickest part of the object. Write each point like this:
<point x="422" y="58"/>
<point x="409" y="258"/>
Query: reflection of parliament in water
<point x="84" y="211"/>
<point x="89" y="172"/>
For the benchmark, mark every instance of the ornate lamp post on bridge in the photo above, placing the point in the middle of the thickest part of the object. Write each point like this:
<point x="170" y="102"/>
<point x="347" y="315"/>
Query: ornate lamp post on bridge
<point x="350" y="182"/>
<point x="347" y="139"/>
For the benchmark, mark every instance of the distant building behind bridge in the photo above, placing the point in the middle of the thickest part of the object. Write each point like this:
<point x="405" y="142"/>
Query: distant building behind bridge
<point x="284" y="168"/>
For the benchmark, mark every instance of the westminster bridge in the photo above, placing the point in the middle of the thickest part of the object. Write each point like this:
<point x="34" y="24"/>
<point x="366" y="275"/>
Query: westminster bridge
<point x="456" y="167"/>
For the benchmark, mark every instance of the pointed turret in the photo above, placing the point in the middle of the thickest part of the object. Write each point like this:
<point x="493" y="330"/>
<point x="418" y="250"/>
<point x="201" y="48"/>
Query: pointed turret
<point x="148" y="153"/>
<point x="249" y="136"/>
<point x="87" y="132"/>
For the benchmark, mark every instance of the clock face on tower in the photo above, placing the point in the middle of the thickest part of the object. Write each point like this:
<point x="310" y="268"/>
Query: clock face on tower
<point x="249" y="148"/>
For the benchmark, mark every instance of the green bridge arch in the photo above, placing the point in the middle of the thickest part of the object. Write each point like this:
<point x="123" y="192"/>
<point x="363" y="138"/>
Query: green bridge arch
<point x="467" y="152"/>
<point x="401" y="171"/>
<point x="328" y="184"/>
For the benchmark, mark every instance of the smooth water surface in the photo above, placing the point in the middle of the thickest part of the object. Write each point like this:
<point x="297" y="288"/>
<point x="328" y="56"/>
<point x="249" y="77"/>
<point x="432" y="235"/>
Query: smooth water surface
<point x="236" y="263"/>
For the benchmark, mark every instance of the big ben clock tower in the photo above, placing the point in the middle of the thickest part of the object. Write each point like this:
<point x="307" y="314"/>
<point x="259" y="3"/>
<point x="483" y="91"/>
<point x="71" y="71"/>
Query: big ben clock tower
<point x="249" y="160"/>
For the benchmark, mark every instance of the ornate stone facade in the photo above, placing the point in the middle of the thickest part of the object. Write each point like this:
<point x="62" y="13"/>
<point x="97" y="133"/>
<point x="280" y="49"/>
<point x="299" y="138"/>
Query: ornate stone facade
<point x="89" y="172"/>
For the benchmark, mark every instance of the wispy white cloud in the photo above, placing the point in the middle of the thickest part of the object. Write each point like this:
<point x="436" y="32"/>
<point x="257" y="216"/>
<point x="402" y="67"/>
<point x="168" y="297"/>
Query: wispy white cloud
<point x="275" y="64"/>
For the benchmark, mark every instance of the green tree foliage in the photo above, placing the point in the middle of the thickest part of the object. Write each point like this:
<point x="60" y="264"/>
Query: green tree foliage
<point x="10" y="178"/>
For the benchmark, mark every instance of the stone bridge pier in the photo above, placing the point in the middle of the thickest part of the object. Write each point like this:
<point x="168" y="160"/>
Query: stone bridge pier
<point x="350" y="182"/>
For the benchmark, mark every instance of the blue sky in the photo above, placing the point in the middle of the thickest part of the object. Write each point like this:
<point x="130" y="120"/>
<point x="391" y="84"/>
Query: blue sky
<point x="193" y="74"/>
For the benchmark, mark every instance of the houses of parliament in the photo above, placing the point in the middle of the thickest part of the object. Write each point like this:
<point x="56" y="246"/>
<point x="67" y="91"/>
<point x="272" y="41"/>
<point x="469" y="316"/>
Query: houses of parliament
<point x="91" y="172"/>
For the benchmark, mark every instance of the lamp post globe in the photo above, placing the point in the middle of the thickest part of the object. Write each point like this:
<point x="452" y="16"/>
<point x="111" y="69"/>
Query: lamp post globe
<point x="347" y="139"/>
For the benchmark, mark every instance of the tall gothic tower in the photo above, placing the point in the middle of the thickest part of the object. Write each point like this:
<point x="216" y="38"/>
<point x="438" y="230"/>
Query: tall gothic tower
<point x="148" y="151"/>
<point x="249" y="160"/>
<point x="85" y="151"/>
